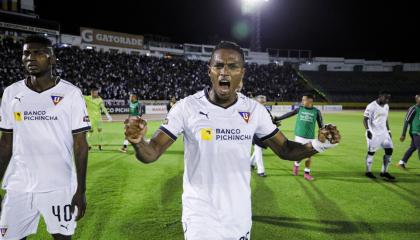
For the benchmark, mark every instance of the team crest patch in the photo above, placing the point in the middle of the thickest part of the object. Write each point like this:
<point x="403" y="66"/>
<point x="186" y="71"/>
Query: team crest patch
<point x="18" y="116"/>
<point x="56" y="99"/>
<point x="166" y="121"/>
<point x="206" y="134"/>
<point x="245" y="116"/>
<point x="3" y="230"/>
<point x="86" y="119"/>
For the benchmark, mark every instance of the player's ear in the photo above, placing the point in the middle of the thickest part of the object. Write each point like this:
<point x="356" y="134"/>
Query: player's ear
<point x="53" y="59"/>
<point x="208" y="69"/>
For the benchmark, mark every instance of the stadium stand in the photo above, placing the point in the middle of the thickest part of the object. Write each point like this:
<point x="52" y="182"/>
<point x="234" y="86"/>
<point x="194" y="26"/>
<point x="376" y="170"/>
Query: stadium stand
<point x="364" y="86"/>
<point x="152" y="78"/>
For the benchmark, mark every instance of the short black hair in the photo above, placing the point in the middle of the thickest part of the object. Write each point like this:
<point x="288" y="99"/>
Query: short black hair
<point x="309" y="95"/>
<point x="229" y="45"/>
<point x="94" y="88"/>
<point x="38" y="39"/>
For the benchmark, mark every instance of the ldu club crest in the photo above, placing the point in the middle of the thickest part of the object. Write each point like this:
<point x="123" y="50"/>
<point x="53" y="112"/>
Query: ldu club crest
<point x="245" y="116"/>
<point x="56" y="99"/>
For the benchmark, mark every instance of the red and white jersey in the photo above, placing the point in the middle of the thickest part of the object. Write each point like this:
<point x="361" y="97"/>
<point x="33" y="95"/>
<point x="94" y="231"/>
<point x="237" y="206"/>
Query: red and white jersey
<point x="217" y="148"/>
<point x="43" y="125"/>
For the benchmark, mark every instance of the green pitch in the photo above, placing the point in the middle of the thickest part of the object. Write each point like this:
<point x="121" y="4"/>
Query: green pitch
<point x="131" y="200"/>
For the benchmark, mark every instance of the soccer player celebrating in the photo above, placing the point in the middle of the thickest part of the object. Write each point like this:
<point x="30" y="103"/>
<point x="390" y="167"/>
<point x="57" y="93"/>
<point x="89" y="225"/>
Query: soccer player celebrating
<point x="217" y="125"/>
<point x="413" y="119"/>
<point x="378" y="134"/>
<point x="43" y="123"/>
<point x="307" y="117"/>
<point x="134" y="109"/>
<point x="95" y="106"/>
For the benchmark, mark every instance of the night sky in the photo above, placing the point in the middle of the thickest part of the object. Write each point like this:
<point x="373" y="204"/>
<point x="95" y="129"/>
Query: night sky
<point x="370" y="29"/>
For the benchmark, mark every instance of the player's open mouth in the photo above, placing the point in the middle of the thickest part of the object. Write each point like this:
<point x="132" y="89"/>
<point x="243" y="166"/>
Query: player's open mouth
<point x="224" y="85"/>
<point x="32" y="66"/>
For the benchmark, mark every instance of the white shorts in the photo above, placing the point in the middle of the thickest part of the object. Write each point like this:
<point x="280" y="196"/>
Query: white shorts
<point x="21" y="211"/>
<point x="209" y="230"/>
<point x="302" y="140"/>
<point x="379" y="141"/>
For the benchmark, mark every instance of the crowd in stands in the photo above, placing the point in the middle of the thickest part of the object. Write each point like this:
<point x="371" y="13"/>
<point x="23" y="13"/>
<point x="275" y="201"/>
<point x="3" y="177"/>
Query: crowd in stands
<point x="119" y="74"/>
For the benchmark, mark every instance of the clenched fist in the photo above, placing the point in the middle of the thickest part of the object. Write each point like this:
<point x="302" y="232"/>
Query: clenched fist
<point x="135" y="129"/>
<point x="329" y="132"/>
<point x="402" y="138"/>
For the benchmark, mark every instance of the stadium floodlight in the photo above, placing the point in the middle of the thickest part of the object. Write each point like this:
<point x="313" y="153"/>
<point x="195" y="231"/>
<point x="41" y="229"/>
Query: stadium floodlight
<point x="253" y="8"/>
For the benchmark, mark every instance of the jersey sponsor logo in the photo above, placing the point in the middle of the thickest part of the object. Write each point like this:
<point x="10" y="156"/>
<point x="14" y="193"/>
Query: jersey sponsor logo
<point x="245" y="116"/>
<point x="34" y="116"/>
<point x="206" y="134"/>
<point x="86" y="119"/>
<point x="56" y="99"/>
<point x="3" y="230"/>
<point x="18" y="116"/>
<point x="234" y="134"/>
<point x="307" y="117"/>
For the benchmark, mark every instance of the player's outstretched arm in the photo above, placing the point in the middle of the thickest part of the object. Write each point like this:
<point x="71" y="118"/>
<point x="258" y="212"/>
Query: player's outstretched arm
<point x="105" y="110"/>
<point x="289" y="150"/>
<point x="328" y="137"/>
<point x="146" y="152"/>
<point x="6" y="146"/>
<point x="287" y="115"/>
<point x="81" y="149"/>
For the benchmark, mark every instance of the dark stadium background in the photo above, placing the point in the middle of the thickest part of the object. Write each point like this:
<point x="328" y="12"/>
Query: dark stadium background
<point x="130" y="200"/>
<point x="374" y="29"/>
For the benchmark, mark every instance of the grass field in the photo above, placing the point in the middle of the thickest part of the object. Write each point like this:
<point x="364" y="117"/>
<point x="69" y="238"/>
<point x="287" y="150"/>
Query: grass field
<point x="130" y="200"/>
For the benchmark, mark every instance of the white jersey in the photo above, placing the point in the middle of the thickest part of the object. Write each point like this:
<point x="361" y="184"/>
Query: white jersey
<point x="43" y="125"/>
<point x="378" y="116"/>
<point x="217" y="148"/>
